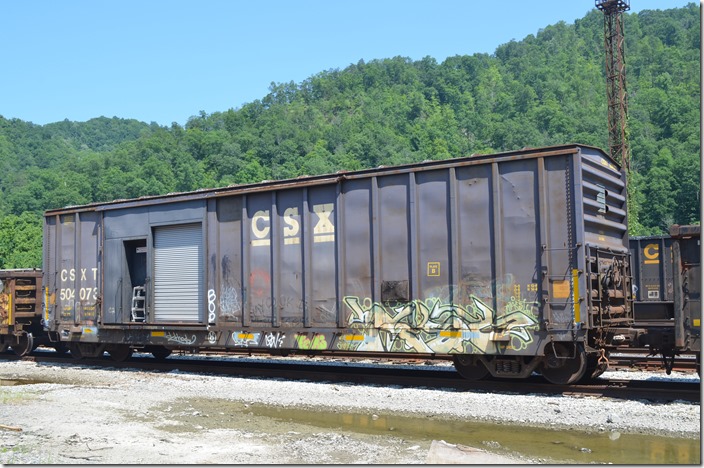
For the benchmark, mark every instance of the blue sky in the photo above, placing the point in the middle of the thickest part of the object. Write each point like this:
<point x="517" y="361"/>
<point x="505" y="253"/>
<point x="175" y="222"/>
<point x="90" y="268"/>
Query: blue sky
<point x="164" y="61"/>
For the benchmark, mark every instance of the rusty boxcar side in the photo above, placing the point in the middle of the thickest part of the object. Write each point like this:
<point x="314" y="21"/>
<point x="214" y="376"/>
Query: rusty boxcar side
<point x="21" y="310"/>
<point x="509" y="262"/>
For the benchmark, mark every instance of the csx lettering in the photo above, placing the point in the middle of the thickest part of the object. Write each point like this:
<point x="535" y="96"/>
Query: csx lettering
<point x="70" y="274"/>
<point x="323" y="231"/>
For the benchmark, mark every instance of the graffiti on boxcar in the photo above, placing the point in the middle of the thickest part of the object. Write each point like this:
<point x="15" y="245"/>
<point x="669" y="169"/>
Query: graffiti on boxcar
<point x="180" y="338"/>
<point x="274" y="340"/>
<point x="318" y="341"/>
<point x="230" y="303"/>
<point x="212" y="337"/>
<point x="211" y="305"/>
<point x="479" y="286"/>
<point x="439" y="327"/>
<point x="242" y="339"/>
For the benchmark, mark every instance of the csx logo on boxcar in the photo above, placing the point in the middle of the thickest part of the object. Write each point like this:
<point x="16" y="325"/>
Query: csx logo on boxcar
<point x="324" y="230"/>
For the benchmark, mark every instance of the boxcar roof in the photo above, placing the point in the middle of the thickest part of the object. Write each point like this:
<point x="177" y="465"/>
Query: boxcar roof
<point x="306" y="181"/>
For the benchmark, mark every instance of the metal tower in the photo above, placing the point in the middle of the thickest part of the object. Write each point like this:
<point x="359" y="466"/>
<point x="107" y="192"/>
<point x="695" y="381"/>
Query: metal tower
<point x="616" y="79"/>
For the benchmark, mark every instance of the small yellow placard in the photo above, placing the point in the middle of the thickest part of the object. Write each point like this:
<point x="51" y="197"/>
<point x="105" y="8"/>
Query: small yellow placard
<point x="696" y="322"/>
<point x="433" y="268"/>
<point x="561" y="289"/>
<point x="158" y="333"/>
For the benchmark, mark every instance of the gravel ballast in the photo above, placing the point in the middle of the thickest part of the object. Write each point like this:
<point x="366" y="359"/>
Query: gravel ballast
<point x="74" y="414"/>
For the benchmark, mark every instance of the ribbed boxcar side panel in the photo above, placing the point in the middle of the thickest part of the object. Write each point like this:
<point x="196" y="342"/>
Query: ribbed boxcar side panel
<point x="517" y="231"/>
<point x="259" y="288"/>
<point x="225" y="285"/>
<point x="559" y="241"/>
<point x="476" y="234"/>
<point x="392" y="251"/>
<point x="322" y="237"/>
<point x="433" y="268"/>
<point x="603" y="202"/>
<point x="72" y="266"/>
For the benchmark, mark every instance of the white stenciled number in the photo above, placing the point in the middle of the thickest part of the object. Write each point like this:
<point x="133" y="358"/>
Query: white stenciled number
<point x="211" y="305"/>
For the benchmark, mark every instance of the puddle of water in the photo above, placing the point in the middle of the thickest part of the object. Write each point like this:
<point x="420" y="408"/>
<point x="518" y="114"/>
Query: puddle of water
<point x="12" y="383"/>
<point x="558" y="446"/>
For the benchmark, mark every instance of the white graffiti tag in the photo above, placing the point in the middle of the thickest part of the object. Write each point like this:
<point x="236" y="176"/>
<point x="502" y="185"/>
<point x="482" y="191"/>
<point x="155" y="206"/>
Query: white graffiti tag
<point x="211" y="305"/>
<point x="180" y="339"/>
<point x="274" y="340"/>
<point x="229" y="301"/>
<point x="212" y="337"/>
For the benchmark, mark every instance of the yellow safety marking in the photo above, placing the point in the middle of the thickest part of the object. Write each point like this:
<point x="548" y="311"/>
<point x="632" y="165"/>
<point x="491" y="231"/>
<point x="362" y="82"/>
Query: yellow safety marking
<point x="451" y="333"/>
<point x="87" y="330"/>
<point x="158" y="333"/>
<point x="696" y="322"/>
<point x="9" y="308"/>
<point x="575" y="292"/>
<point x="245" y="336"/>
<point x="46" y="303"/>
<point x="354" y="337"/>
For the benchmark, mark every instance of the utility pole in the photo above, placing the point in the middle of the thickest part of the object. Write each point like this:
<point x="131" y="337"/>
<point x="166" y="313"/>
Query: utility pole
<point x="616" y="80"/>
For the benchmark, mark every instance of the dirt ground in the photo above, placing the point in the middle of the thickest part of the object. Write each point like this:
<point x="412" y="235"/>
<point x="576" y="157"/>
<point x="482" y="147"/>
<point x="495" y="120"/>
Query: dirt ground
<point x="81" y="415"/>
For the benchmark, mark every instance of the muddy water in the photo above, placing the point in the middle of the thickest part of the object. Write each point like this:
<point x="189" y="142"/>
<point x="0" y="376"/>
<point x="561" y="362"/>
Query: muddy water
<point x="560" y="446"/>
<point x="551" y="446"/>
<point x="12" y="383"/>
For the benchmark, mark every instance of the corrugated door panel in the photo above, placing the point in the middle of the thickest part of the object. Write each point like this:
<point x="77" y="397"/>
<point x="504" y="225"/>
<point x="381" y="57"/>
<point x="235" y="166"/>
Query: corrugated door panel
<point x="178" y="273"/>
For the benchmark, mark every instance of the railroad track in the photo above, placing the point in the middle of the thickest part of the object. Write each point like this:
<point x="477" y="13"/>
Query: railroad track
<point x="375" y="374"/>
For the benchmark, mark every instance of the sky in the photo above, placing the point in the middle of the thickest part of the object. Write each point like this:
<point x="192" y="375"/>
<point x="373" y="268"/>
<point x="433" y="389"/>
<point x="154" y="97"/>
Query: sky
<point x="165" y="61"/>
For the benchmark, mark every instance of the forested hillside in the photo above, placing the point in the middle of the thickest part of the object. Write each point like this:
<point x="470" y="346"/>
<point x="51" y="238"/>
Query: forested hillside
<point x="546" y="89"/>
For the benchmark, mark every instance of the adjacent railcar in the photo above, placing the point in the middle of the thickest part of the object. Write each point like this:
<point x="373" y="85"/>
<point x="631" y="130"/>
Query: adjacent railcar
<point x="667" y="290"/>
<point x="508" y="263"/>
<point x="21" y="312"/>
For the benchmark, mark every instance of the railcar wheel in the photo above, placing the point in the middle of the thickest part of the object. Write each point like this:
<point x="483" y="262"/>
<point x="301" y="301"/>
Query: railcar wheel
<point x="564" y="364"/>
<point x="119" y="353"/>
<point x="25" y="344"/>
<point x="470" y="368"/>
<point x="75" y="351"/>
<point x="159" y="352"/>
<point x="3" y="347"/>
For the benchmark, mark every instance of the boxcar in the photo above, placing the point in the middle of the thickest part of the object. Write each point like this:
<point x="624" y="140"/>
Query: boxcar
<point x="667" y="290"/>
<point x="508" y="263"/>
